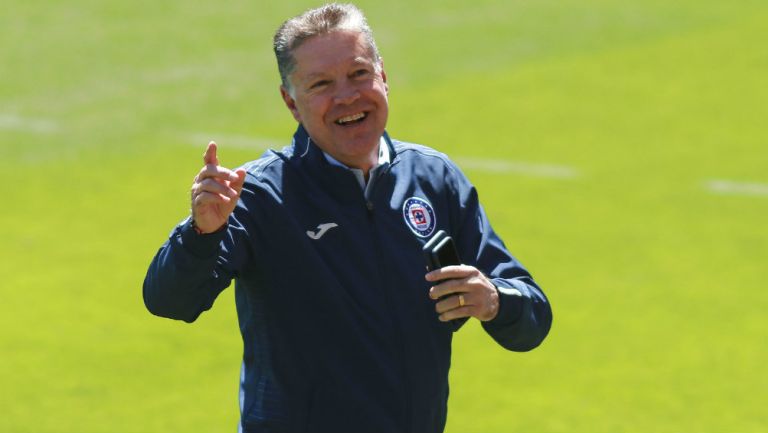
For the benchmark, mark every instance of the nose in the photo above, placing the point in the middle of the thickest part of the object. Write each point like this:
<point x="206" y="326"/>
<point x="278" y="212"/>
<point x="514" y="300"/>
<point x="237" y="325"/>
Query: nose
<point x="346" y="94"/>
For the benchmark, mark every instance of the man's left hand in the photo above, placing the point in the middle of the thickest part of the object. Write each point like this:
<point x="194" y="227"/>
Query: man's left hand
<point x="465" y="292"/>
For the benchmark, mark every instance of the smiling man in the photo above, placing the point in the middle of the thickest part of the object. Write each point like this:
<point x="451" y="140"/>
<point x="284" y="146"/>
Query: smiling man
<point x="337" y="90"/>
<point x="342" y="329"/>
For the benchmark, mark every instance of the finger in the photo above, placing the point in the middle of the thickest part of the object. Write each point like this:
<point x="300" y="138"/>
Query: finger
<point x="217" y="172"/>
<point x="454" y="271"/>
<point x="446" y="288"/>
<point x="237" y="184"/>
<point x="210" y="185"/>
<point x="210" y="154"/>
<point x="209" y="198"/>
<point x="457" y="313"/>
<point x="453" y="302"/>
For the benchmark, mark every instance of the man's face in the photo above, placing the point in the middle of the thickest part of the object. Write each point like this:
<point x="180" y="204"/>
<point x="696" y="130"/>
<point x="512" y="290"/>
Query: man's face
<point x="339" y="96"/>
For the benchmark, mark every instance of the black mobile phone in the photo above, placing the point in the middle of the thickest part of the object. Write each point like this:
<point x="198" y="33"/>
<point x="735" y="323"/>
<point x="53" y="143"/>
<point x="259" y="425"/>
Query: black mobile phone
<point x="441" y="251"/>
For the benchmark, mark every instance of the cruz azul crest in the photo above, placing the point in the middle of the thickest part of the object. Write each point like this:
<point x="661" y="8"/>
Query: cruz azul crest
<point x="419" y="216"/>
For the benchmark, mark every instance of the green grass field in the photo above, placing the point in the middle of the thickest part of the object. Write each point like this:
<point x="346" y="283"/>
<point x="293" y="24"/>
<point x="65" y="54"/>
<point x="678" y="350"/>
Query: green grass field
<point x="619" y="147"/>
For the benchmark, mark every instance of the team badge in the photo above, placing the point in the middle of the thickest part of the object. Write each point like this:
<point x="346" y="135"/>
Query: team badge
<point x="419" y="216"/>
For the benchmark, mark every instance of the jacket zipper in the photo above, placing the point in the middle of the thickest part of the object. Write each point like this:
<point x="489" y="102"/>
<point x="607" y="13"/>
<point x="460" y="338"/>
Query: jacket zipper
<point x="370" y="207"/>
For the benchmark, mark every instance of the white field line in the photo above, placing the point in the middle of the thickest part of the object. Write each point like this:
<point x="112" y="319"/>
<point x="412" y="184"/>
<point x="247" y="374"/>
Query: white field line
<point x="25" y="124"/>
<point x="470" y="163"/>
<point x="234" y="141"/>
<point x="517" y="167"/>
<point x="730" y="187"/>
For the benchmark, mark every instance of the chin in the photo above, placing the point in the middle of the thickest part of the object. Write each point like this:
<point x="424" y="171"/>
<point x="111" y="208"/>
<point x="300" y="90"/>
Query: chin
<point x="362" y="147"/>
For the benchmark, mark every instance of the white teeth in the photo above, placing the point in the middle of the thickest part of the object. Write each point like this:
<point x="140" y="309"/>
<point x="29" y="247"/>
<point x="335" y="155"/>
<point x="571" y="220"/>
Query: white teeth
<point x="350" y="118"/>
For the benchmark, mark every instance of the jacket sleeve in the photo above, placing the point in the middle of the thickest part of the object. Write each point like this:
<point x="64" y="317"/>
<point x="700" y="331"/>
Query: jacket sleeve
<point x="525" y="315"/>
<point x="190" y="270"/>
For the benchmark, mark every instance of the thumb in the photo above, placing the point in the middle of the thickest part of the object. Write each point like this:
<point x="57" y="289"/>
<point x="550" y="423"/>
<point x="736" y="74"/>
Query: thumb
<point x="237" y="185"/>
<point x="210" y="154"/>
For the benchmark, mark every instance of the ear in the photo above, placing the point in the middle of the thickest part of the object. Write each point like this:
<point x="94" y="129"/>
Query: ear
<point x="290" y="103"/>
<point x="384" y="75"/>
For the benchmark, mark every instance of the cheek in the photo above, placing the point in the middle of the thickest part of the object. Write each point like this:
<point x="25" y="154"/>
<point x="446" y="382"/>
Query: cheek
<point x="381" y="90"/>
<point x="312" y="109"/>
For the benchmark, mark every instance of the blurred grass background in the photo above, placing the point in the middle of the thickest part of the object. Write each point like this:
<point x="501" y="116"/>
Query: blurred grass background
<point x="594" y="131"/>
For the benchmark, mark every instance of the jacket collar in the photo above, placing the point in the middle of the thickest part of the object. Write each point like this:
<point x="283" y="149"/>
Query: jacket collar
<point x="306" y="149"/>
<point x="340" y="182"/>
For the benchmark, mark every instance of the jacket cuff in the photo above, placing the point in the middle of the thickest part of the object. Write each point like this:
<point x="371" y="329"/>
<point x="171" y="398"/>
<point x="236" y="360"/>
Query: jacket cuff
<point x="511" y="300"/>
<point x="199" y="245"/>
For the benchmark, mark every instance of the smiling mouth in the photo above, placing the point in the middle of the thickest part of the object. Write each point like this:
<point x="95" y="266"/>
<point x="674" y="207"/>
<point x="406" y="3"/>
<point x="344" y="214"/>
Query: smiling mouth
<point x="352" y="119"/>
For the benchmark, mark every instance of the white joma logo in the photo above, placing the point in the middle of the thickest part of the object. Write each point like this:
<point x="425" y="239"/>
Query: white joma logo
<point x="321" y="229"/>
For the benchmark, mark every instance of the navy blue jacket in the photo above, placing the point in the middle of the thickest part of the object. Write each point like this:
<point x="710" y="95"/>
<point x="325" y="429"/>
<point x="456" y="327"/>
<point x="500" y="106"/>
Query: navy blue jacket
<point x="339" y="332"/>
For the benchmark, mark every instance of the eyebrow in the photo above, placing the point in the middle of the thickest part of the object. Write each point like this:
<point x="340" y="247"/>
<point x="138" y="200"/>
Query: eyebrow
<point x="357" y="61"/>
<point x="315" y="75"/>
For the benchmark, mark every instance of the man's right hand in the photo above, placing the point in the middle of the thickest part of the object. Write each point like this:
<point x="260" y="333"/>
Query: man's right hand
<point x="215" y="192"/>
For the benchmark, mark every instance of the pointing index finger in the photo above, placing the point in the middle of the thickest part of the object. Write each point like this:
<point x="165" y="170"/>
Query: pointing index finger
<point x="210" y="154"/>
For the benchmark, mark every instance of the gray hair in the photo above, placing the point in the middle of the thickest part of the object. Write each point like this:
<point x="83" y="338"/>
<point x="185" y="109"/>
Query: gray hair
<point x="326" y="19"/>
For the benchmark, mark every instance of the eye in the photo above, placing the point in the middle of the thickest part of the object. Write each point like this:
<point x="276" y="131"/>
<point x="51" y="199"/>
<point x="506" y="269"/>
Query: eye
<point x="319" y="84"/>
<point x="360" y="73"/>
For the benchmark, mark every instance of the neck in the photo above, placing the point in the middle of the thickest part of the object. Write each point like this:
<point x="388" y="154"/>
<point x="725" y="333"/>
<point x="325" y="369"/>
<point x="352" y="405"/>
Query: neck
<point x="363" y="164"/>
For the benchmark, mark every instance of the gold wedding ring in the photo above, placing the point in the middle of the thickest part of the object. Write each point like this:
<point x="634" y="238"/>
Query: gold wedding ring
<point x="461" y="300"/>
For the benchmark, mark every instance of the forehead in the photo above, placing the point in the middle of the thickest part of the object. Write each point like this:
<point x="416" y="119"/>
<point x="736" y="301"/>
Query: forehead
<point x="325" y="52"/>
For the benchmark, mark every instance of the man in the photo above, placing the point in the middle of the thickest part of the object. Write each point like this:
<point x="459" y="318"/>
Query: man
<point x="342" y="329"/>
